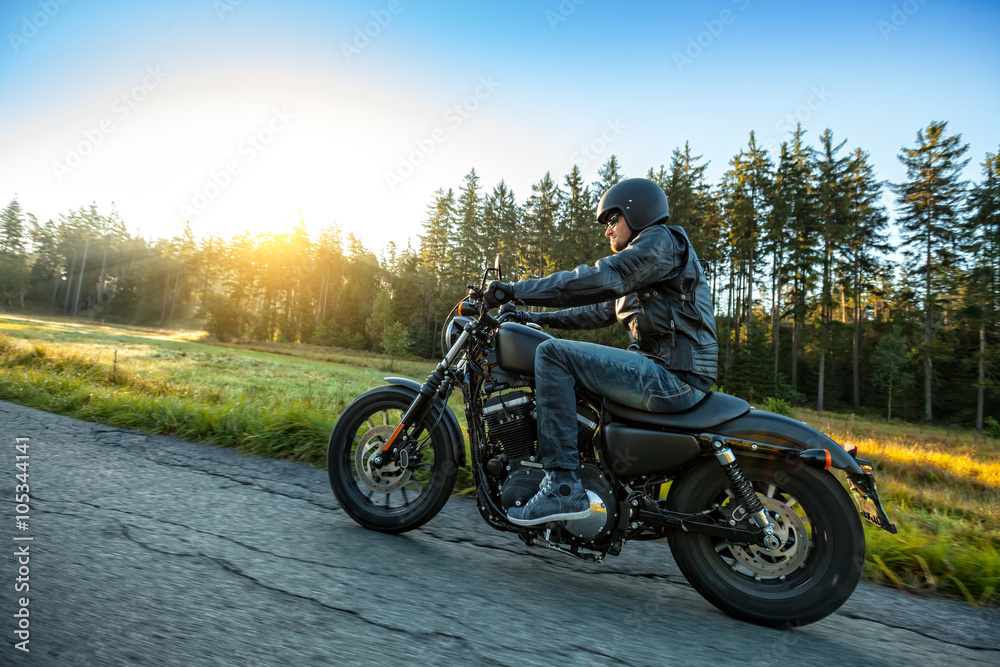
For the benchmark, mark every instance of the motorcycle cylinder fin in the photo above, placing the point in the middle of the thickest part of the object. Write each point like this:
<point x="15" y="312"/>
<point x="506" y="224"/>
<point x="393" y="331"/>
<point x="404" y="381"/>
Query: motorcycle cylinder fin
<point x="511" y="424"/>
<point x="587" y="419"/>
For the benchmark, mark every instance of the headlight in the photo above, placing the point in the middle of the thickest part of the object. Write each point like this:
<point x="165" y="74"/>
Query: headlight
<point x="455" y="328"/>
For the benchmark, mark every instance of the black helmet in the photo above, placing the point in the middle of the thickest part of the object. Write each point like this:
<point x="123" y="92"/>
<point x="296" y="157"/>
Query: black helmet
<point x="641" y="201"/>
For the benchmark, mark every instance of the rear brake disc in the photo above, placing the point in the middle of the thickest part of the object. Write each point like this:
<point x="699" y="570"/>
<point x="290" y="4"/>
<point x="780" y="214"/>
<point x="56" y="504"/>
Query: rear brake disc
<point x="790" y="529"/>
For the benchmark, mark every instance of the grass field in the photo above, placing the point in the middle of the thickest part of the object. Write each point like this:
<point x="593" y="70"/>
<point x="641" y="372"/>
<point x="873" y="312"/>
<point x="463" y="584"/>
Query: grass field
<point x="941" y="487"/>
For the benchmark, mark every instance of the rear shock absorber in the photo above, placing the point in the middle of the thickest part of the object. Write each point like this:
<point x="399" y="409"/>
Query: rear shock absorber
<point x="744" y="492"/>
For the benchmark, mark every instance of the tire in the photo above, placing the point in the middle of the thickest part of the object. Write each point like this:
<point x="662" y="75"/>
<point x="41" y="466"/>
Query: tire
<point x="393" y="500"/>
<point x="808" y="578"/>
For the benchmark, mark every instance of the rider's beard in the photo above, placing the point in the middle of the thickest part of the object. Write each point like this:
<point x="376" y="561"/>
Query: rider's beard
<point x="619" y="244"/>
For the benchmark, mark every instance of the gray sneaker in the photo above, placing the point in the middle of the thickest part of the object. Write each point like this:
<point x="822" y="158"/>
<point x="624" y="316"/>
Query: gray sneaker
<point x="561" y="497"/>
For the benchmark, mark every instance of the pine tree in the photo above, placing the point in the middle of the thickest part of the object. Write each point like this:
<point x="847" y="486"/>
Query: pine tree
<point x="777" y="234"/>
<point x="467" y="241"/>
<point x="610" y="175"/>
<point x="864" y="241"/>
<point x="891" y="366"/>
<point x="435" y="241"/>
<point x="930" y="205"/>
<point x="12" y="234"/>
<point x="580" y="239"/>
<point x="802" y="241"/>
<point x="745" y="191"/>
<point x="14" y="272"/>
<point x="834" y="206"/>
<point x="661" y="177"/>
<point x="501" y="220"/>
<point x="688" y="195"/>
<point x="540" y="219"/>
<point x="981" y="239"/>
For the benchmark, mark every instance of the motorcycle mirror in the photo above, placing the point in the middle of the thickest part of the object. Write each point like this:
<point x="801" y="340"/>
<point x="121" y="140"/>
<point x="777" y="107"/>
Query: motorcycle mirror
<point x="496" y="267"/>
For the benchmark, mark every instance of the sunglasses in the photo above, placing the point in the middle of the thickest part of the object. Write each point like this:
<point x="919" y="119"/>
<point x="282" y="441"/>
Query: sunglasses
<point x="613" y="219"/>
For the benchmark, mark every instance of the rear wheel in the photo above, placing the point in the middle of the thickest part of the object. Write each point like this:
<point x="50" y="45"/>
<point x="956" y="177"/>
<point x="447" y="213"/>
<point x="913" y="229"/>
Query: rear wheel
<point x="392" y="499"/>
<point x="810" y="576"/>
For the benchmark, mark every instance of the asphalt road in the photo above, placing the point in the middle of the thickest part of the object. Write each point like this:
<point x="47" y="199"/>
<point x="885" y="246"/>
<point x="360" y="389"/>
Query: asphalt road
<point x="148" y="550"/>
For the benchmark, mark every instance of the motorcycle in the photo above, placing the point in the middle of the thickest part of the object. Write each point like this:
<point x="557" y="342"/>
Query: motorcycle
<point x="746" y="499"/>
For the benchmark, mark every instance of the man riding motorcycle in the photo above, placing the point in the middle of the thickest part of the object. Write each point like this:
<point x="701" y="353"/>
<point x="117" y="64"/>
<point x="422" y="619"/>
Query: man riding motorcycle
<point x="654" y="286"/>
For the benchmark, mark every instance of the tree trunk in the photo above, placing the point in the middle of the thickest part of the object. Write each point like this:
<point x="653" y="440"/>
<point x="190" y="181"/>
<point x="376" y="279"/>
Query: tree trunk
<point x="889" y="418"/>
<point x="326" y="297"/>
<point x="738" y="302"/>
<point x="69" y="282"/>
<point x="714" y="277"/>
<point x="79" y="282"/>
<point x="822" y="368"/>
<point x="928" y="336"/>
<point x="729" y="312"/>
<point x="980" y="395"/>
<point x="795" y="339"/>
<point x="173" y="298"/>
<point x="824" y="316"/>
<point x="775" y="321"/>
<point x="750" y="270"/>
<point x="166" y="293"/>
<point x="104" y="266"/>
<point x="856" y="347"/>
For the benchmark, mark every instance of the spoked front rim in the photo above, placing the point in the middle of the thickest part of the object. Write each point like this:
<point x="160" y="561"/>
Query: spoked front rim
<point x="392" y="489"/>
<point x="788" y="566"/>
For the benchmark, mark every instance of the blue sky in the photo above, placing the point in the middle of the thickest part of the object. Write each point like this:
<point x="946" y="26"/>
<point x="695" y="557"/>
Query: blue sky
<point x="238" y="115"/>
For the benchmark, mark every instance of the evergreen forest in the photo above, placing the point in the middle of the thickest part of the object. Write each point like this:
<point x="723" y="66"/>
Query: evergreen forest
<point x="819" y="300"/>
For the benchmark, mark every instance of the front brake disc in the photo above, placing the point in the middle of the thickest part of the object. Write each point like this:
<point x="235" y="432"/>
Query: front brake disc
<point x="390" y="477"/>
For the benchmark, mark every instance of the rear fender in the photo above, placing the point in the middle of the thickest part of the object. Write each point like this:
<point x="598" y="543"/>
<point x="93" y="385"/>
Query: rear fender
<point x="449" y="422"/>
<point x="781" y="432"/>
<point x="761" y="431"/>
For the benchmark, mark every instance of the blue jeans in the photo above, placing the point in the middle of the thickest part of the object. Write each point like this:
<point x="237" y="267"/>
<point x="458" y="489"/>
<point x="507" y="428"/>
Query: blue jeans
<point x="624" y="376"/>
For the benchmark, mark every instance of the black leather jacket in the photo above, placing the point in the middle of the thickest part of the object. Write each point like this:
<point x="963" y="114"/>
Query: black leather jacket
<point x="655" y="287"/>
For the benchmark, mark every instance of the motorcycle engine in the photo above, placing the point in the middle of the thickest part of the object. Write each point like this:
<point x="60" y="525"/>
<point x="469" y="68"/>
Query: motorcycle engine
<point x="512" y="430"/>
<point x="510" y="425"/>
<point x="515" y="466"/>
<point x="524" y="483"/>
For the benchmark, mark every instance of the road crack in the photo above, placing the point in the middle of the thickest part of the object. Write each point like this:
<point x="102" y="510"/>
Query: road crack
<point x="868" y="619"/>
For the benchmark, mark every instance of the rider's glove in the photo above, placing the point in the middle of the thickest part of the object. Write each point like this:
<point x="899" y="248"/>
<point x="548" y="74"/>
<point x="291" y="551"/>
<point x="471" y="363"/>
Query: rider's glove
<point x="498" y="293"/>
<point x="524" y="316"/>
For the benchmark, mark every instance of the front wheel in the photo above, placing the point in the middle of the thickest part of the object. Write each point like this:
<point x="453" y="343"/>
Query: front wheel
<point x="392" y="499"/>
<point x="810" y="576"/>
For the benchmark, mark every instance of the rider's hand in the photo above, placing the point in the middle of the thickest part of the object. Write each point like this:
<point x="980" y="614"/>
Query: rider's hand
<point x="498" y="293"/>
<point x="523" y="316"/>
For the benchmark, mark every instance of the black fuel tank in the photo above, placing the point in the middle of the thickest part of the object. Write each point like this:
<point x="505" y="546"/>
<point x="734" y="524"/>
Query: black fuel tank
<point x="516" y="345"/>
<point x="635" y="451"/>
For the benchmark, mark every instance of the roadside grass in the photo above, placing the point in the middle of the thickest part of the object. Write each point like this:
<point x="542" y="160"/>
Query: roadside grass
<point x="258" y="402"/>
<point x="941" y="487"/>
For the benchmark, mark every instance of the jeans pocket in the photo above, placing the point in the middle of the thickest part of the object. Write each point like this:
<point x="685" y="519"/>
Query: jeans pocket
<point x="672" y="400"/>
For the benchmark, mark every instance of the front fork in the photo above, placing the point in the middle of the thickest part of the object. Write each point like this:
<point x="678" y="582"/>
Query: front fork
<point x="396" y="448"/>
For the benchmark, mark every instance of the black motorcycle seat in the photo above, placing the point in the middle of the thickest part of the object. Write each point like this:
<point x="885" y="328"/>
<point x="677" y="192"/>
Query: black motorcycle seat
<point x="707" y="413"/>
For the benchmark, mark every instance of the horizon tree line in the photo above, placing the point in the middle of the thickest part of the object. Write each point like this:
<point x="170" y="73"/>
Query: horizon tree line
<point x="811" y="305"/>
